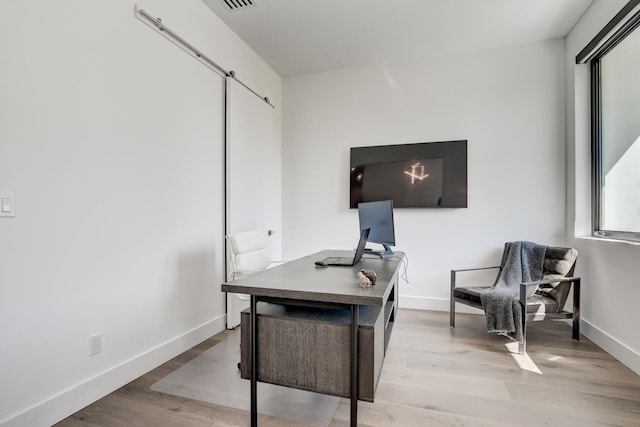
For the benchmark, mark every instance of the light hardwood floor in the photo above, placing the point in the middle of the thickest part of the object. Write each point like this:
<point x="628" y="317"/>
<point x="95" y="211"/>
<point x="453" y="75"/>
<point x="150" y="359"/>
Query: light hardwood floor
<point x="432" y="376"/>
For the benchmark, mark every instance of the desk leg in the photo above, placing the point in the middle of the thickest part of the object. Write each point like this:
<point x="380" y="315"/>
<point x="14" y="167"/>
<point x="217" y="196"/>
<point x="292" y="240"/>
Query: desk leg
<point x="354" y="364"/>
<point x="254" y="361"/>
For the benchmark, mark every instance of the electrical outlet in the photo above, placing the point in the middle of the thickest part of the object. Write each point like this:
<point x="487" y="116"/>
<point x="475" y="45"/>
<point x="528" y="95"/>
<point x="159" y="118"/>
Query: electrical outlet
<point x="95" y="344"/>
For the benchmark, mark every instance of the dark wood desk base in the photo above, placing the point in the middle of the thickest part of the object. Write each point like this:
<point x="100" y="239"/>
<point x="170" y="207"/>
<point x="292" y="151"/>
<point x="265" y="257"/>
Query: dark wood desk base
<point x="299" y="284"/>
<point x="254" y="349"/>
<point x="289" y="340"/>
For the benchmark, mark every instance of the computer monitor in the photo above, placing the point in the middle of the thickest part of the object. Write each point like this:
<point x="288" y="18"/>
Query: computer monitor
<point x="378" y="216"/>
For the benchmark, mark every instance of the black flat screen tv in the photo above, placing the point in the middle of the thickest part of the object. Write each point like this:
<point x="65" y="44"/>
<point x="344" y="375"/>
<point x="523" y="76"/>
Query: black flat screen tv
<point x="422" y="175"/>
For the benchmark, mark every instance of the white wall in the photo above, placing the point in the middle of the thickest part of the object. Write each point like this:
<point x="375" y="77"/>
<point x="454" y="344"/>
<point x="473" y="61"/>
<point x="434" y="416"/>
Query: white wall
<point x="111" y="140"/>
<point x="609" y="269"/>
<point x="508" y="103"/>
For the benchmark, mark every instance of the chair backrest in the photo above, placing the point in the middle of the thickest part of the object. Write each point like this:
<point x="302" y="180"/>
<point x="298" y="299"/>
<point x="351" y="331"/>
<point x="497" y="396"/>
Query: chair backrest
<point x="248" y="252"/>
<point x="558" y="262"/>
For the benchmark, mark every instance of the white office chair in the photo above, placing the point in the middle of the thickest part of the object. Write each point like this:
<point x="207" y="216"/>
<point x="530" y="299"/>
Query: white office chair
<point x="247" y="254"/>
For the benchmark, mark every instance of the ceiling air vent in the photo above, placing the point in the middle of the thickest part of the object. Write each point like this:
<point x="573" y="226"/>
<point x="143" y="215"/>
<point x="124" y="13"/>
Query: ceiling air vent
<point x="238" y="4"/>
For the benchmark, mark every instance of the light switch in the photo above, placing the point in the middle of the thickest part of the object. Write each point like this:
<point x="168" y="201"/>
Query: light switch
<point x="7" y="205"/>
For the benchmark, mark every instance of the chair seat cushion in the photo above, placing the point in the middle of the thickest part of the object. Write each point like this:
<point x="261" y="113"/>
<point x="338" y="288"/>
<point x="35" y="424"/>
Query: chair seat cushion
<point x="541" y="303"/>
<point x="470" y="293"/>
<point x="535" y="304"/>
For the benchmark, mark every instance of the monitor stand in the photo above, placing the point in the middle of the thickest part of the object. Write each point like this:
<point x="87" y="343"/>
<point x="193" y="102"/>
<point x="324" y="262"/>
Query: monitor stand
<point x="386" y="253"/>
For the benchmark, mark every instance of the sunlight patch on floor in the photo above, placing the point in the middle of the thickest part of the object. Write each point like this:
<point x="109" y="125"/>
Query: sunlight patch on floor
<point x="523" y="360"/>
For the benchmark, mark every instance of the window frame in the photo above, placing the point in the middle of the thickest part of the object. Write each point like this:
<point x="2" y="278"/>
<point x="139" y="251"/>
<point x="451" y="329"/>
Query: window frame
<point x="623" y="24"/>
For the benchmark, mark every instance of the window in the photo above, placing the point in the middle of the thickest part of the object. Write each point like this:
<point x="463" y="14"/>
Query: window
<point x="615" y="94"/>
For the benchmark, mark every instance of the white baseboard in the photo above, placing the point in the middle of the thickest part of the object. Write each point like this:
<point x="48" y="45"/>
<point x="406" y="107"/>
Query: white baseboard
<point x="71" y="400"/>
<point x="615" y="348"/>
<point x="437" y="304"/>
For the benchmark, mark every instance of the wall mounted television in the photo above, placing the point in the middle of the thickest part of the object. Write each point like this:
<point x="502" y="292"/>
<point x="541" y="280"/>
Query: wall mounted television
<point x="420" y="175"/>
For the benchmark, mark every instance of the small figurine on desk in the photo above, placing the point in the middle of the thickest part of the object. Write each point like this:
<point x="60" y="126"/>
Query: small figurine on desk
<point x="367" y="278"/>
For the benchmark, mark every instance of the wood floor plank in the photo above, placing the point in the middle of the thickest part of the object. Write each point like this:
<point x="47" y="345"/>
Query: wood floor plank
<point x="433" y="376"/>
<point x="390" y="414"/>
<point x="524" y="413"/>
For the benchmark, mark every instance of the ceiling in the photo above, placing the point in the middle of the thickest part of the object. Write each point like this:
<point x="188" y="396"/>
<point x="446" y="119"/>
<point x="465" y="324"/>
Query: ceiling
<point x="308" y="36"/>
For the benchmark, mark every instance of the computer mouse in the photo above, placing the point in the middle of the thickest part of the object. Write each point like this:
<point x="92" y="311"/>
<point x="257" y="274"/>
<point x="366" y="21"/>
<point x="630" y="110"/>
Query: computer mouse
<point x="321" y="264"/>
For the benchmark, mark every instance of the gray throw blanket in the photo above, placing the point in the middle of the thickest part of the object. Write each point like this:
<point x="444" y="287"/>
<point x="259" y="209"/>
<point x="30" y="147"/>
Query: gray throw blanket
<point x="522" y="262"/>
